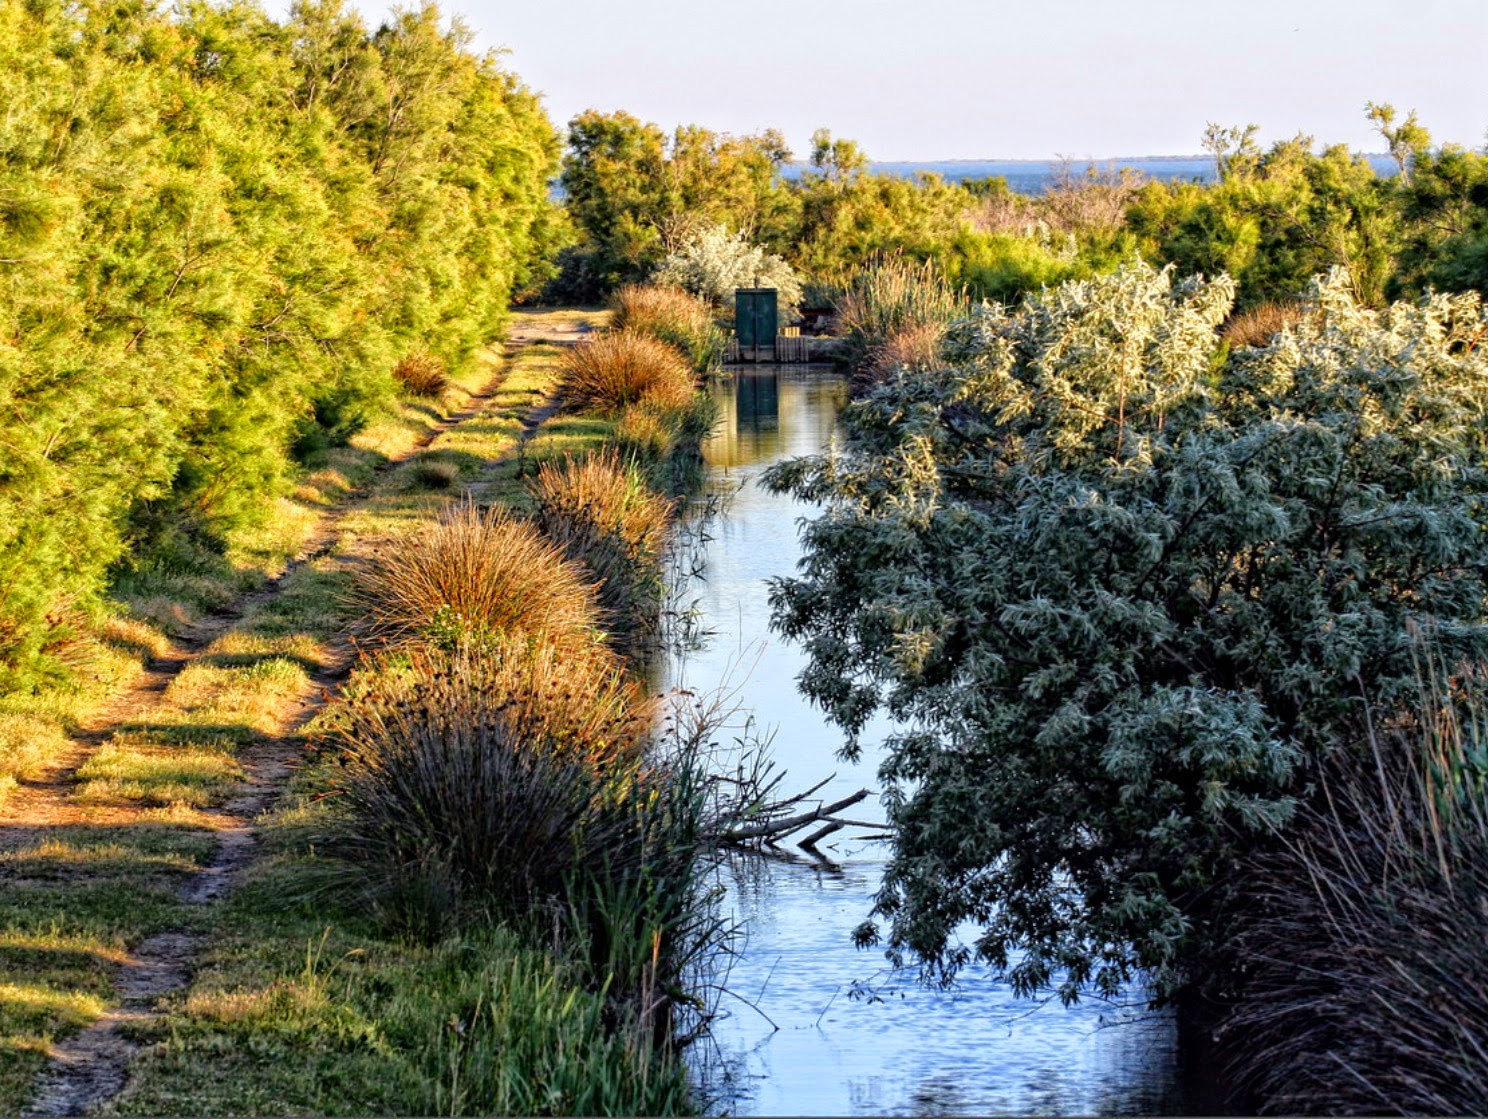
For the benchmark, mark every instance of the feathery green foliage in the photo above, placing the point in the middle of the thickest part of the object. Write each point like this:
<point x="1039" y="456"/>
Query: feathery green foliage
<point x="217" y="232"/>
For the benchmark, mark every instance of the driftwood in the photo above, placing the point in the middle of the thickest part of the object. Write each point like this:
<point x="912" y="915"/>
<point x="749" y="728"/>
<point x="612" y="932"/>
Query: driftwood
<point x="771" y="823"/>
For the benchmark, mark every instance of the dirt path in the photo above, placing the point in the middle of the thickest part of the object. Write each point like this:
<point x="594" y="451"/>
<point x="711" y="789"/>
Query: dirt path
<point x="89" y="1068"/>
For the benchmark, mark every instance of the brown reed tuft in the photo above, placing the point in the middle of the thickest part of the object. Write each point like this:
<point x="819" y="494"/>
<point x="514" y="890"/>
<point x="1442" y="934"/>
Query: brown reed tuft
<point x="422" y="374"/>
<point x="602" y="513"/>
<point x="1259" y="325"/>
<point x="473" y="575"/>
<point x="623" y="368"/>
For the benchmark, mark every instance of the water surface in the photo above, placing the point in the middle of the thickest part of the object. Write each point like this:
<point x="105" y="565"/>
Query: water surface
<point x="812" y="1025"/>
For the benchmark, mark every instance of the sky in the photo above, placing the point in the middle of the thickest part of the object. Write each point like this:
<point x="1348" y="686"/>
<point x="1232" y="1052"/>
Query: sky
<point x="1036" y="79"/>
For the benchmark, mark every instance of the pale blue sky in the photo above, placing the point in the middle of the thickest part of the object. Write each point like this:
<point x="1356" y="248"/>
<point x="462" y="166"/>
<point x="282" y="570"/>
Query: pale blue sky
<point x="947" y="79"/>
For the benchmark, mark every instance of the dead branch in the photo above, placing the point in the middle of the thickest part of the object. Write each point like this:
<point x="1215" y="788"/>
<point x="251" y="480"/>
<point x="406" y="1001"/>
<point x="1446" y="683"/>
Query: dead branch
<point x="776" y="827"/>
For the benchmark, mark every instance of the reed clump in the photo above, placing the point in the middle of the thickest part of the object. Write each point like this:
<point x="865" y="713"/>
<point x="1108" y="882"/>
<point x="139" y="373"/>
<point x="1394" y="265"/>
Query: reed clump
<point x="915" y="347"/>
<point x="674" y="316"/>
<point x="1364" y="968"/>
<point x="601" y="511"/>
<point x="512" y="786"/>
<point x="422" y="374"/>
<point x="473" y="575"/>
<point x="624" y="368"/>
<point x="894" y="298"/>
<point x="1259" y="325"/>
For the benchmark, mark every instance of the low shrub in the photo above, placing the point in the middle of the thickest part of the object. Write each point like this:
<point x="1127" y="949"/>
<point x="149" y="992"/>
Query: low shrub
<point x="602" y="513"/>
<point x="673" y="316"/>
<point x="623" y="368"/>
<point x="422" y="374"/>
<point x="473" y="575"/>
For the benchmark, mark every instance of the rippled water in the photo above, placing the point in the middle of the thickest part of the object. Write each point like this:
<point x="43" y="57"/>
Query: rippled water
<point x="813" y="1026"/>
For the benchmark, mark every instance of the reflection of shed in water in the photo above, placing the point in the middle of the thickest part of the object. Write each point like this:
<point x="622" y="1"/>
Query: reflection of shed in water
<point x="757" y="401"/>
<point x="787" y="410"/>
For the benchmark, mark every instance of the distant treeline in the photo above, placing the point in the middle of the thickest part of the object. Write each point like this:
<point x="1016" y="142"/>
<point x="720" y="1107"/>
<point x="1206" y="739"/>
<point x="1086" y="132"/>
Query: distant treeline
<point x="219" y="233"/>
<point x="1272" y="219"/>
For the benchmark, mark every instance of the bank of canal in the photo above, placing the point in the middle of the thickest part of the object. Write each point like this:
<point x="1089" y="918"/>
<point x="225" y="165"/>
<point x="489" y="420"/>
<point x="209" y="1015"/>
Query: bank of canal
<point x="813" y="1026"/>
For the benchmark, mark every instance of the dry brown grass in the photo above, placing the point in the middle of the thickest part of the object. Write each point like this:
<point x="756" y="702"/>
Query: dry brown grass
<point x="1259" y="325"/>
<point x="580" y="704"/>
<point x="623" y="368"/>
<point x="673" y="316"/>
<point x="916" y="346"/>
<point x="602" y="513"/>
<point x="474" y="575"/>
<point x="645" y="433"/>
<point x="422" y="374"/>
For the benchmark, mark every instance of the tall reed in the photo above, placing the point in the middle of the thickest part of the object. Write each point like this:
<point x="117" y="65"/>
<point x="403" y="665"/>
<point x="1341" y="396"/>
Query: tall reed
<point x="602" y="512"/>
<point x="1361" y="955"/>
<point x="895" y="297"/>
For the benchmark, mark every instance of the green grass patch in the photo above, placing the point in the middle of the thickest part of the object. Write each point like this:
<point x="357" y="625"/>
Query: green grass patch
<point x="139" y="774"/>
<point x="304" y="1009"/>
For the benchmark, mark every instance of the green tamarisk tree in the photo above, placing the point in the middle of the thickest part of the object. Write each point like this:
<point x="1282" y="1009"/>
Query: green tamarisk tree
<point x="218" y="233"/>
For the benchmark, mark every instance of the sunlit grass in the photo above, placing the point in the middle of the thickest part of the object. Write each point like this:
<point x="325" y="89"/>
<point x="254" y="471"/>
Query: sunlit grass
<point x="27" y="742"/>
<point x="162" y="775"/>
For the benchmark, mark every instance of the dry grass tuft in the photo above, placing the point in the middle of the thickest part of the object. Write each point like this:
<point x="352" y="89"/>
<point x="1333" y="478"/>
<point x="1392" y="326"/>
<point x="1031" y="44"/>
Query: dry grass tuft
<point x="671" y="315"/>
<point x="480" y="783"/>
<point x="617" y="370"/>
<point x="430" y="474"/>
<point x="601" y="512"/>
<point x="422" y="374"/>
<point x="473" y="575"/>
<point x="1259" y="325"/>
<point x="645" y="434"/>
<point x="913" y="347"/>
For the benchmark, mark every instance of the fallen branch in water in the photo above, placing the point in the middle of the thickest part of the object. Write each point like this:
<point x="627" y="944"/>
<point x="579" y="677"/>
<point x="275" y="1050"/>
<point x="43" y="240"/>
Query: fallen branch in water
<point x="776" y="825"/>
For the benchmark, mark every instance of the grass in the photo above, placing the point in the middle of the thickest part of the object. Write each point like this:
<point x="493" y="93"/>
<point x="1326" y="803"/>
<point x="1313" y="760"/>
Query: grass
<point x="476" y="573"/>
<point x="26" y="744"/>
<point x="601" y="511"/>
<point x="673" y="316"/>
<point x="615" y="371"/>
<point x="1364" y="972"/>
<point x="305" y="1002"/>
<point x="1259" y="325"/>
<point x="308" y="1008"/>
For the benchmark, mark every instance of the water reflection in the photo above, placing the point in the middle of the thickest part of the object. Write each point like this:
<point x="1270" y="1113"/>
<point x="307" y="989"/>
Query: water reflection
<point x="813" y="1026"/>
